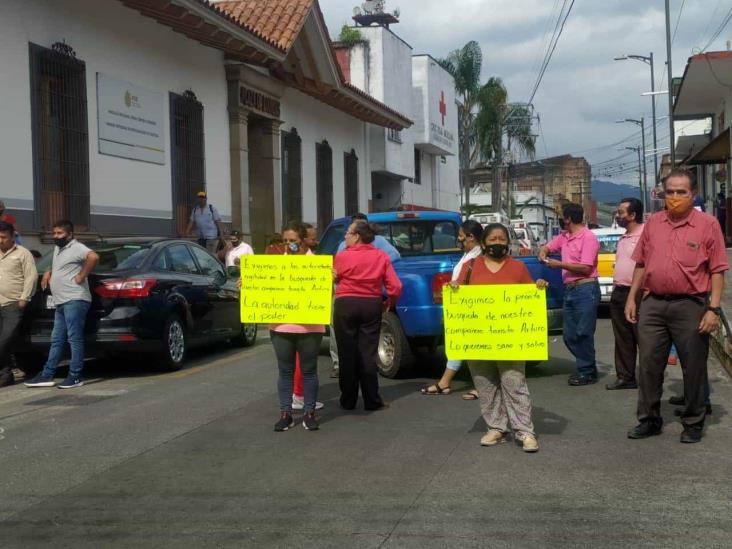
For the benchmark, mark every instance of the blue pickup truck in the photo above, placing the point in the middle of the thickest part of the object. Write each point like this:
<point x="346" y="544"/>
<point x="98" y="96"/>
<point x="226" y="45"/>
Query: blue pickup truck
<point x="428" y="244"/>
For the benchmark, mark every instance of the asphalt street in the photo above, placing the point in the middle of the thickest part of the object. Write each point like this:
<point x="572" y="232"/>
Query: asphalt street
<point x="189" y="459"/>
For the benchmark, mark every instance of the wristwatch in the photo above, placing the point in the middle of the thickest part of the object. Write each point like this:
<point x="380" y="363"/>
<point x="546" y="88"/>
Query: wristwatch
<point x="716" y="310"/>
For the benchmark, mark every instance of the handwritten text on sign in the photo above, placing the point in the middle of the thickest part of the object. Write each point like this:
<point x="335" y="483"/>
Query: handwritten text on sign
<point x="286" y="289"/>
<point x="495" y="322"/>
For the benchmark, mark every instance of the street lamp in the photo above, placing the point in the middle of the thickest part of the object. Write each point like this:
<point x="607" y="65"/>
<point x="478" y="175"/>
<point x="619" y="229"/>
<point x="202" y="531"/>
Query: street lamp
<point x="640" y="174"/>
<point x="649" y="61"/>
<point x="644" y="181"/>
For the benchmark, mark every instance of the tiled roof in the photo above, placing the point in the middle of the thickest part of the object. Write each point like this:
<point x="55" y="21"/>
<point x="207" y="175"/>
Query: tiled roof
<point x="275" y="21"/>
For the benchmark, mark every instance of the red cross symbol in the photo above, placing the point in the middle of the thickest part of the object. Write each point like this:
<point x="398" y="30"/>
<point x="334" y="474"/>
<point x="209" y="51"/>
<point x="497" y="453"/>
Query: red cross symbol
<point x="443" y="107"/>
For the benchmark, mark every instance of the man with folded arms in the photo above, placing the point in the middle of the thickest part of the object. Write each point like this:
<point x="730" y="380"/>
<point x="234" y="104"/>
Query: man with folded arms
<point x="680" y="265"/>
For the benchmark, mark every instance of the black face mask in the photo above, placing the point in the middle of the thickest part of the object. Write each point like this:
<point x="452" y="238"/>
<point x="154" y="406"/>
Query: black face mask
<point x="622" y="222"/>
<point x="496" y="251"/>
<point x="60" y="242"/>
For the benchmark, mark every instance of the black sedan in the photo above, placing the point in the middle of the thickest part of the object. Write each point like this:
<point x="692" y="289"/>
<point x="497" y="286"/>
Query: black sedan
<point x="154" y="296"/>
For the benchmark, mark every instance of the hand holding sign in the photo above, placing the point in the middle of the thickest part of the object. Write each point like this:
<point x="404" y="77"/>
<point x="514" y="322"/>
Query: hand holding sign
<point x="286" y="289"/>
<point x="495" y="322"/>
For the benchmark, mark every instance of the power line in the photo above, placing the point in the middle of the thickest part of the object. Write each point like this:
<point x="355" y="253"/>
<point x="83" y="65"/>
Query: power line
<point x="719" y="30"/>
<point x="551" y="52"/>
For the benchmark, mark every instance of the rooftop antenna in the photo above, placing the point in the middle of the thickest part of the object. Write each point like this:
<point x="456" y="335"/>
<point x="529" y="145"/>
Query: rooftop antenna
<point x="374" y="12"/>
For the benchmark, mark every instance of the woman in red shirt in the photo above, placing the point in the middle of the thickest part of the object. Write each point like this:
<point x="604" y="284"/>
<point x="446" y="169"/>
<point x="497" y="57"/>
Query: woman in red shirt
<point x="502" y="389"/>
<point x="361" y="273"/>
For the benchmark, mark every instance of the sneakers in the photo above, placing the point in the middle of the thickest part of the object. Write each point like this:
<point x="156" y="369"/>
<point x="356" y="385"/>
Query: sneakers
<point x="309" y="422"/>
<point x="70" y="382"/>
<point x="530" y="444"/>
<point x="40" y="381"/>
<point x="298" y="403"/>
<point x="492" y="437"/>
<point x="285" y="422"/>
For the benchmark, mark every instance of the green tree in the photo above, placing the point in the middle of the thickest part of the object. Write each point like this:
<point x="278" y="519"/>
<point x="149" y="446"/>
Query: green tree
<point x="486" y="121"/>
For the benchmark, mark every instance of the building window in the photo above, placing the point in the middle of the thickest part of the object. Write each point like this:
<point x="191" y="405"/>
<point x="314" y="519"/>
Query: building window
<point x="417" y="166"/>
<point x="188" y="160"/>
<point x="60" y="136"/>
<point x="291" y="176"/>
<point x="394" y="135"/>
<point x="350" y="181"/>
<point x="324" y="184"/>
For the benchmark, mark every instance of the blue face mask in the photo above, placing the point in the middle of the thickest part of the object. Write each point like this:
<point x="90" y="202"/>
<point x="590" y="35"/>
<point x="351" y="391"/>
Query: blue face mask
<point x="294" y="247"/>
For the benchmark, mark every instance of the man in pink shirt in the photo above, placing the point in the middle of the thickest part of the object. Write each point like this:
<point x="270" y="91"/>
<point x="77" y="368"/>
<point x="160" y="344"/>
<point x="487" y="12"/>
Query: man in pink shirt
<point x="579" y="247"/>
<point x="680" y="265"/>
<point x="629" y="216"/>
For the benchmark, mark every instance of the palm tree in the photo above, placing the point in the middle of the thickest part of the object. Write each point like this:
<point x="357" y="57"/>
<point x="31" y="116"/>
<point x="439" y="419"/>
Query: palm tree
<point x="485" y="118"/>
<point x="465" y="65"/>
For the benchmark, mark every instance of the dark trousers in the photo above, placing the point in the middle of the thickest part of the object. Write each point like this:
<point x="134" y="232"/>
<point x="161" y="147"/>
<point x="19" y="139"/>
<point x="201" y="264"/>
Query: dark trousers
<point x="661" y="322"/>
<point x="286" y="346"/>
<point x="626" y="335"/>
<point x="10" y="317"/>
<point x="357" y="323"/>
<point x="580" y="320"/>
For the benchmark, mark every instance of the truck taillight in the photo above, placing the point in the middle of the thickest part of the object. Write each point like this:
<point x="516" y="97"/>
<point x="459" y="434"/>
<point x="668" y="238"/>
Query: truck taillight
<point x="438" y="281"/>
<point x="126" y="287"/>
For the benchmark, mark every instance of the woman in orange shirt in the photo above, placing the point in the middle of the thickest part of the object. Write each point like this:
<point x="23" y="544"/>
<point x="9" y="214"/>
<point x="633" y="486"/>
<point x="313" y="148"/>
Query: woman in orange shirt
<point x="501" y="385"/>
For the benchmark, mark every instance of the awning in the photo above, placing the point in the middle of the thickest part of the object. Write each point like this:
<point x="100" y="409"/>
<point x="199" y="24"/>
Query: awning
<point x="688" y="145"/>
<point x="716" y="152"/>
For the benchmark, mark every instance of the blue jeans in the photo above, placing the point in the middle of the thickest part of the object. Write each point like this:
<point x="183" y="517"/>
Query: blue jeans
<point x="580" y="319"/>
<point x="454" y="365"/>
<point x="68" y="325"/>
<point x="286" y="346"/>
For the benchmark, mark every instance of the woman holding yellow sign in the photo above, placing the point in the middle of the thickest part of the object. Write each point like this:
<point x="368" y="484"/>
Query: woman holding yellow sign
<point x="291" y="341"/>
<point x="502" y="389"/>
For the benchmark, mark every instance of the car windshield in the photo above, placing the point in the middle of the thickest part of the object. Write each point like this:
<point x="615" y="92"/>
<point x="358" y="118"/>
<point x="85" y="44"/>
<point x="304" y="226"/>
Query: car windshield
<point x="112" y="257"/>
<point x="421" y="237"/>
<point x="608" y="243"/>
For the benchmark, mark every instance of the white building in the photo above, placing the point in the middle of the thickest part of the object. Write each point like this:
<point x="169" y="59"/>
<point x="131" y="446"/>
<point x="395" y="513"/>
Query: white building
<point x="416" y="167"/>
<point x="121" y="110"/>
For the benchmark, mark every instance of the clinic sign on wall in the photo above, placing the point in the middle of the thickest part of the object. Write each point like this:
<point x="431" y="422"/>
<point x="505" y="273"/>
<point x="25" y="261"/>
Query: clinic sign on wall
<point x="130" y="120"/>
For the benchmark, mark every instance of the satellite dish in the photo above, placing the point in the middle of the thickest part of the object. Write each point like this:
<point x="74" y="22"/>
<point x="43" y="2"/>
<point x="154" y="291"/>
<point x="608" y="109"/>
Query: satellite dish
<point x="397" y="13"/>
<point x="356" y="11"/>
<point x="369" y="6"/>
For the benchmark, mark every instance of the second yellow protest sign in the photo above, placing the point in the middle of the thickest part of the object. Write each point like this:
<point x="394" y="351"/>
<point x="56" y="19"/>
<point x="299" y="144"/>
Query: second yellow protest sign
<point x="286" y="289"/>
<point x="495" y="322"/>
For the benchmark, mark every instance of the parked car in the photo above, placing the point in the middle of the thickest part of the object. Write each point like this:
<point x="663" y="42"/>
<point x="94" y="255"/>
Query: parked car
<point x="155" y="296"/>
<point x="608" y="239"/>
<point x="428" y="244"/>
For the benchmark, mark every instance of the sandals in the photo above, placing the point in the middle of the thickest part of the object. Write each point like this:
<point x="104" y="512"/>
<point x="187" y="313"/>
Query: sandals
<point x="434" y="389"/>
<point x="470" y="395"/>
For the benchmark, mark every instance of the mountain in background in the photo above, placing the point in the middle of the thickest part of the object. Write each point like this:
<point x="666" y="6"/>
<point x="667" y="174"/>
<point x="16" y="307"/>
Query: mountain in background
<point x="609" y="192"/>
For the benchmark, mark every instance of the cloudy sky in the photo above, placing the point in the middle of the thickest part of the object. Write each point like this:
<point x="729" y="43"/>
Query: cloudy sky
<point x="583" y="91"/>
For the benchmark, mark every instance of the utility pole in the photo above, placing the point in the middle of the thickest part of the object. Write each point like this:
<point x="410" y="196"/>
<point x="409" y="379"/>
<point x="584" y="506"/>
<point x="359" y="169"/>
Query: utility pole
<point x="640" y="167"/>
<point x="653" y="111"/>
<point x="644" y="186"/>
<point x="669" y="69"/>
<point x="649" y="61"/>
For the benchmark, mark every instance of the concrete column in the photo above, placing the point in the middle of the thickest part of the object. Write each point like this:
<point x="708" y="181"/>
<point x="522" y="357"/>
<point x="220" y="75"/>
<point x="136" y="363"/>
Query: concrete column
<point x="272" y="157"/>
<point x="240" y="196"/>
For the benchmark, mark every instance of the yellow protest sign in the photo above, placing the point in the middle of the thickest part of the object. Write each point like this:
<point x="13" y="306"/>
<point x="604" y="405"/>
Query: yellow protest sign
<point x="495" y="322"/>
<point x="286" y="289"/>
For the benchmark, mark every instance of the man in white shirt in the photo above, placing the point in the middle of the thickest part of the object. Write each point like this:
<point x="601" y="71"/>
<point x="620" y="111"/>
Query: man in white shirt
<point x="235" y="248"/>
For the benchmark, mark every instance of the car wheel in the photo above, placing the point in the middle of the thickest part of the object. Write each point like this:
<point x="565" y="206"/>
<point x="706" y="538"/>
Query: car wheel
<point x="175" y="344"/>
<point x="394" y="350"/>
<point x="248" y="335"/>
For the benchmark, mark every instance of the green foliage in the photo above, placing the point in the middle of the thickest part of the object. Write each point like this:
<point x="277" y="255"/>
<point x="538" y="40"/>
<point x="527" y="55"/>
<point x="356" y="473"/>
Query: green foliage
<point x="350" y="36"/>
